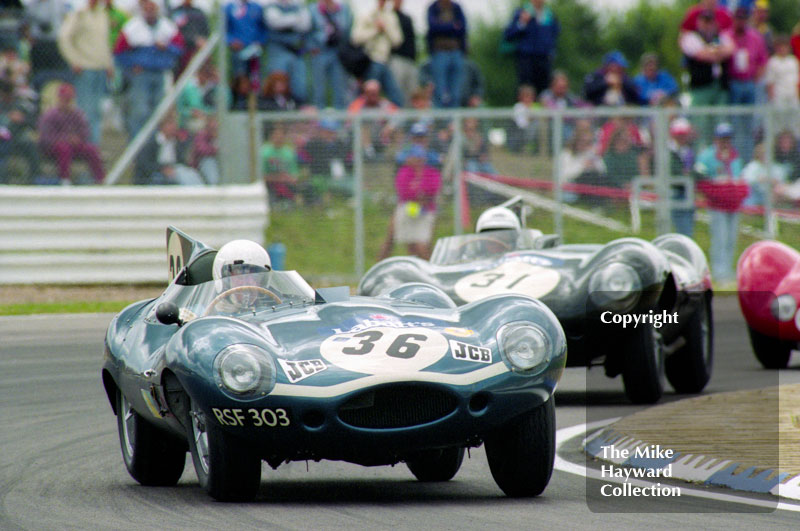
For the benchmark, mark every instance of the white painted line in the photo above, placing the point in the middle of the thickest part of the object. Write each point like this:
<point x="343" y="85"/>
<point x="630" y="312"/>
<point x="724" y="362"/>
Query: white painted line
<point x="565" y="434"/>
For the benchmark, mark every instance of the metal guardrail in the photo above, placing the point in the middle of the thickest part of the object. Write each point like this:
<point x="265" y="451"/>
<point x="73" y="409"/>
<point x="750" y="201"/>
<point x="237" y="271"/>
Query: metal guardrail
<point x="95" y="235"/>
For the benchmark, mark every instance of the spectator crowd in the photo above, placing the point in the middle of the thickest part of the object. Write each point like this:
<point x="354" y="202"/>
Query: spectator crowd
<point x="58" y="67"/>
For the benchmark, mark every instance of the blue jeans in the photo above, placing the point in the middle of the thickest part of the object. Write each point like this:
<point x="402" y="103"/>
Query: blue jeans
<point x="447" y="69"/>
<point x="683" y="221"/>
<point x="724" y="231"/>
<point x="144" y="94"/>
<point x="90" y="88"/>
<point x="281" y="58"/>
<point x="327" y="69"/>
<point x="381" y="73"/>
<point x="743" y="93"/>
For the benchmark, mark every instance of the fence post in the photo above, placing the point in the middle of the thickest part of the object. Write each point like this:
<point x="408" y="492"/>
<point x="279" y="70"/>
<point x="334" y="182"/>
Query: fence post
<point x="458" y="170"/>
<point x="770" y="222"/>
<point x="558" y="146"/>
<point x="221" y="92"/>
<point x="662" y="173"/>
<point x="358" y="178"/>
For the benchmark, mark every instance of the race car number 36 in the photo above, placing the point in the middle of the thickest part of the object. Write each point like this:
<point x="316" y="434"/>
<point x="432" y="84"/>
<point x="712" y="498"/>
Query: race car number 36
<point x="384" y="350"/>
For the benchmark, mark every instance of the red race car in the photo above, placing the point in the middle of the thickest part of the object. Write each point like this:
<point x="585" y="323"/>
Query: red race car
<point x="768" y="277"/>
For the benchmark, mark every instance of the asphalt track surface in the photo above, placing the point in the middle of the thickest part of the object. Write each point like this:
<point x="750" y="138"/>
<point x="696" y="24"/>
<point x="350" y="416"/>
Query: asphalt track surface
<point x="61" y="468"/>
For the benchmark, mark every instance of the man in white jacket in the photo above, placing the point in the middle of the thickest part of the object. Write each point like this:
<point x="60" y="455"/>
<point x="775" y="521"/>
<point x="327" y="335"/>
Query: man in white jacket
<point x="378" y="31"/>
<point x="83" y="40"/>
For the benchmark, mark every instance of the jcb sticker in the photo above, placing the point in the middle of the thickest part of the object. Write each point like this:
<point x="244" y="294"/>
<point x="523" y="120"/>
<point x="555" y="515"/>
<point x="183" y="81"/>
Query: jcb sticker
<point x="302" y="369"/>
<point x="258" y="418"/>
<point x="466" y="352"/>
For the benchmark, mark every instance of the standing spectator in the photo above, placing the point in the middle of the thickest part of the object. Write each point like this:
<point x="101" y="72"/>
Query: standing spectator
<point x="279" y="164"/>
<point x="761" y="23"/>
<point x="289" y="23"/>
<point x="706" y="54"/>
<point x="610" y="85"/>
<point x="84" y="43"/>
<point x="473" y="87"/>
<point x="148" y="46"/>
<point x="43" y="20"/>
<point x="720" y="165"/>
<point x="417" y="185"/>
<point x="682" y="157"/>
<point x="64" y="135"/>
<point x="534" y="31"/>
<point x="655" y="86"/>
<point x="746" y="68"/>
<point x="782" y="77"/>
<point x="720" y="13"/>
<point x="378" y="32"/>
<point x="246" y="34"/>
<point x="275" y="94"/>
<point x="447" y="45"/>
<point x="16" y="131"/>
<point x="403" y="62"/>
<point x="331" y="23"/>
<point x="193" y="25"/>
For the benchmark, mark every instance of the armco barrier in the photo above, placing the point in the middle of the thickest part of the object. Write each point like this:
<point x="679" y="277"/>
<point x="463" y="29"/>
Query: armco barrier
<point x="94" y="235"/>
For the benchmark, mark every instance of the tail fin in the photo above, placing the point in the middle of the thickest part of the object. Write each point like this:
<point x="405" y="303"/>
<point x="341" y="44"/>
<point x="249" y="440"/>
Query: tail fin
<point x="181" y="248"/>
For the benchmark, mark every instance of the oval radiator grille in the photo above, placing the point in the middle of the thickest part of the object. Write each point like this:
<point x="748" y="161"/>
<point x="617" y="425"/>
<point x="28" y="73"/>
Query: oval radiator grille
<point x="397" y="407"/>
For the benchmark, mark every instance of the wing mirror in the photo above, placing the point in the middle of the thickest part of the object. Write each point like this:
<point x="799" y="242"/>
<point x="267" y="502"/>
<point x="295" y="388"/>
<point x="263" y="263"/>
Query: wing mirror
<point x="168" y="313"/>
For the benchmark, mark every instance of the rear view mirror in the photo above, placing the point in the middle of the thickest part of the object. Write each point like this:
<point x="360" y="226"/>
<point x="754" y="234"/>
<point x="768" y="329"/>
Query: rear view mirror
<point x="168" y="313"/>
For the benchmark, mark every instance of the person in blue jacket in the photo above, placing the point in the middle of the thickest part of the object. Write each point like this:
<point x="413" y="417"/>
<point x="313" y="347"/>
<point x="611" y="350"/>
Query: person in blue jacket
<point x="533" y="33"/>
<point x="331" y="22"/>
<point x="655" y="86"/>
<point x="447" y="44"/>
<point x="245" y="36"/>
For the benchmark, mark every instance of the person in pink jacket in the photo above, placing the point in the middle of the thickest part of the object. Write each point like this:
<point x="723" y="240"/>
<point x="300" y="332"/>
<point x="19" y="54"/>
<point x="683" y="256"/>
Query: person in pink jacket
<point x="417" y="185"/>
<point x="64" y="135"/>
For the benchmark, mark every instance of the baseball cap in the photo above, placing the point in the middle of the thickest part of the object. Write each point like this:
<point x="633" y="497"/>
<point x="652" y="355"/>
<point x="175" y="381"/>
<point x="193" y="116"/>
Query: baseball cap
<point x="615" y="57"/>
<point x="680" y="126"/>
<point x="419" y="129"/>
<point x="723" y="130"/>
<point x="329" y="124"/>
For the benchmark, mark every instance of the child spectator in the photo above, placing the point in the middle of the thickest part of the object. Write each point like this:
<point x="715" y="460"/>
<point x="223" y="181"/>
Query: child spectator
<point x="760" y="178"/>
<point x="172" y="142"/>
<point x="623" y="159"/>
<point x="64" y="135"/>
<point x="476" y="147"/>
<point x="17" y="131"/>
<point x="579" y="161"/>
<point x="527" y="128"/>
<point x="276" y="94"/>
<point x="204" y="152"/>
<point x="417" y="186"/>
<point x="787" y="154"/>
<point x="682" y="157"/>
<point x="280" y="167"/>
<point x="328" y="159"/>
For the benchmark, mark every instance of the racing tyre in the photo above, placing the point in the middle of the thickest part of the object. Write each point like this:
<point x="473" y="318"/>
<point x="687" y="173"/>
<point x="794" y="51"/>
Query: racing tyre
<point x="226" y="468"/>
<point x="521" y="454"/>
<point x="689" y="368"/>
<point x="772" y="352"/>
<point x="152" y="456"/>
<point x="436" y="465"/>
<point x="643" y="365"/>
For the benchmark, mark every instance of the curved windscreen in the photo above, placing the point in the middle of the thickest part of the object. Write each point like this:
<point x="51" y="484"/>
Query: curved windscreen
<point x="241" y="295"/>
<point x="470" y="247"/>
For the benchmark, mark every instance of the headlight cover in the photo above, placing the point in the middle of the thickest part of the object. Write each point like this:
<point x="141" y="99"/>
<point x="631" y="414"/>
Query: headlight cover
<point x="616" y="286"/>
<point x="244" y="370"/>
<point x="525" y="346"/>
<point x="783" y="307"/>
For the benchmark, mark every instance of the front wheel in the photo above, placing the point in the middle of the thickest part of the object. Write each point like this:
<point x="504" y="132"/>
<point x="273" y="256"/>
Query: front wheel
<point x="643" y="365"/>
<point x="152" y="456"/>
<point x="226" y="468"/>
<point x="521" y="454"/>
<point x="772" y="352"/>
<point x="436" y="465"/>
<point x="689" y="368"/>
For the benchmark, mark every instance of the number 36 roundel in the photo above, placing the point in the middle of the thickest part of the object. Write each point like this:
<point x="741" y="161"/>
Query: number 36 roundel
<point x="509" y="278"/>
<point x="385" y="350"/>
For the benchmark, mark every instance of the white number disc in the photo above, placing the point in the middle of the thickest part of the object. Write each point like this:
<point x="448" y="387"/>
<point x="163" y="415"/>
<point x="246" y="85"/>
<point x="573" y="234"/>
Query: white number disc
<point x="385" y="350"/>
<point x="508" y="278"/>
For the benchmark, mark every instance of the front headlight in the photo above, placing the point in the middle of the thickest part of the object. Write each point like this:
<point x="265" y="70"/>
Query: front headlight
<point x="526" y="346"/>
<point x="245" y="369"/>
<point x="616" y="286"/>
<point x="783" y="307"/>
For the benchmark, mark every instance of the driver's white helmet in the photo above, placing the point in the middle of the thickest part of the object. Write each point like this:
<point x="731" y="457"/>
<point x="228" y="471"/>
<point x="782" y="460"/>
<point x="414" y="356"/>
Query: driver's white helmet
<point x="497" y="218"/>
<point x="240" y="257"/>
